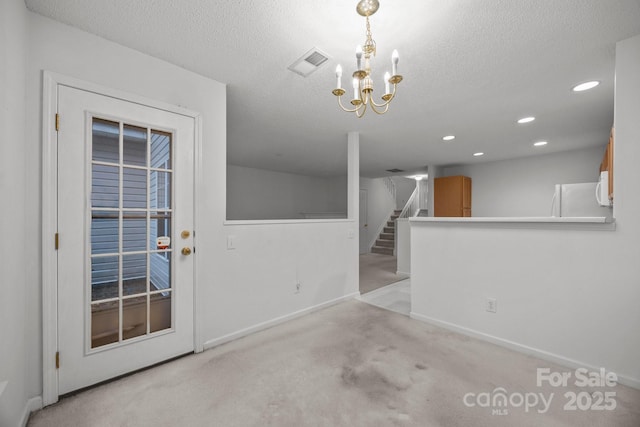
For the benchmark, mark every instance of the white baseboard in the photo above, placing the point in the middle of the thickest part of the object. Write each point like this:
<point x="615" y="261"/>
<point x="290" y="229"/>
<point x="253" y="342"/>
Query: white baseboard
<point x="406" y="273"/>
<point x="33" y="404"/>
<point x="545" y="355"/>
<point x="273" y="322"/>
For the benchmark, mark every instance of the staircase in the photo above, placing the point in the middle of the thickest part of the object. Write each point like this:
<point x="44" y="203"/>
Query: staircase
<point x="386" y="242"/>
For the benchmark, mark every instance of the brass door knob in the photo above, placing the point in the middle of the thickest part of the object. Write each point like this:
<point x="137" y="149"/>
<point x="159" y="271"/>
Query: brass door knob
<point x="186" y="251"/>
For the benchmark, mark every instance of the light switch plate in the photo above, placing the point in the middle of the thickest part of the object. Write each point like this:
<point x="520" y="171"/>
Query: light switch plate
<point x="231" y="242"/>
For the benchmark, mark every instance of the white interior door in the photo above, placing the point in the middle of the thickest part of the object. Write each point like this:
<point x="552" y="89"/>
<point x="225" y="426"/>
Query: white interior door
<point x="125" y="213"/>
<point x="364" y="226"/>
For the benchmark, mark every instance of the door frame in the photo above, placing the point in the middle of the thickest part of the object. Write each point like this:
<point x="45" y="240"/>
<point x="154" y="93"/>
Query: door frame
<point x="50" y="83"/>
<point x="363" y="228"/>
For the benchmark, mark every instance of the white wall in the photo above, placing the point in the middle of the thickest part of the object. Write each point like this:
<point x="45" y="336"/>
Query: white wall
<point x="403" y="246"/>
<point x="14" y="329"/>
<point x="262" y="194"/>
<point x="567" y="294"/>
<point x="258" y="281"/>
<point x="404" y="189"/>
<point x="434" y="172"/>
<point x="380" y="206"/>
<point x="254" y="285"/>
<point x="237" y="289"/>
<point x="525" y="186"/>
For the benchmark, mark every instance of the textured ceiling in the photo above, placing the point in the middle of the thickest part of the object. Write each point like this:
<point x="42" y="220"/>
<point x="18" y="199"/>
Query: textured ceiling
<point x="471" y="68"/>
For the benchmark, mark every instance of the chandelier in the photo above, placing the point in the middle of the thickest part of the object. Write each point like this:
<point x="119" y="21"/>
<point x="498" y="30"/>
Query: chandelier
<point x="362" y="82"/>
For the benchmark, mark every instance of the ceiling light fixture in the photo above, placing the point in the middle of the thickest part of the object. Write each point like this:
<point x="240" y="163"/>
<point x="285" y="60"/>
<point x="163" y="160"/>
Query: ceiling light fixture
<point x="586" y="86"/>
<point x="540" y="143"/>
<point x="362" y="82"/>
<point x="449" y="137"/>
<point x="478" y="154"/>
<point x="526" y="120"/>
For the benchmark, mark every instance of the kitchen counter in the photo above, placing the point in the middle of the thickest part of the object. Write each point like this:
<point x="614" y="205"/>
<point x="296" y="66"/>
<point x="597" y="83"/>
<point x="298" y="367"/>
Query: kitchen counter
<point x="532" y="219"/>
<point x="584" y="223"/>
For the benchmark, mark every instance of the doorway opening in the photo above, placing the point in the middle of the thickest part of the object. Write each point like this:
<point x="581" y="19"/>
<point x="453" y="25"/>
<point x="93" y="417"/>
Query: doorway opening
<point x="386" y="206"/>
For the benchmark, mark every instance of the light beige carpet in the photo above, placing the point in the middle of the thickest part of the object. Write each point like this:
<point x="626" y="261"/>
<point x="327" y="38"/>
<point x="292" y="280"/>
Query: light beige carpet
<point x="349" y="365"/>
<point x="377" y="270"/>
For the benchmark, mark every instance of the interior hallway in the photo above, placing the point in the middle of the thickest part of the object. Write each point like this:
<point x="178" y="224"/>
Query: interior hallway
<point x="377" y="270"/>
<point x="395" y="297"/>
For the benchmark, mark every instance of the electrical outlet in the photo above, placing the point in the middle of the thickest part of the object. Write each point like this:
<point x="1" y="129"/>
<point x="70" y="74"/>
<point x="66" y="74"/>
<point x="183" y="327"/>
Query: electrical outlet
<point x="492" y="305"/>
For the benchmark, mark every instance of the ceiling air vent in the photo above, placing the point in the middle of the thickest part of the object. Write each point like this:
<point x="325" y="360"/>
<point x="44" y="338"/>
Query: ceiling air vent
<point x="309" y="62"/>
<point x="395" y="170"/>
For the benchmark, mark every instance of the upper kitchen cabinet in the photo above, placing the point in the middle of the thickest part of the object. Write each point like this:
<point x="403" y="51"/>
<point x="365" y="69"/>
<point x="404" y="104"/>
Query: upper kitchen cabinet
<point x="607" y="163"/>
<point x="452" y="196"/>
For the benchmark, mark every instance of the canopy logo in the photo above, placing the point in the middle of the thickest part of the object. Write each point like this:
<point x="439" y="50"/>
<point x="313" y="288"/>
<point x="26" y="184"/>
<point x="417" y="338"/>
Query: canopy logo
<point x="499" y="401"/>
<point x="591" y="394"/>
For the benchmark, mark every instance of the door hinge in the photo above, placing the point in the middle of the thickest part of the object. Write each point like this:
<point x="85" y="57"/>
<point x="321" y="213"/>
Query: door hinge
<point x="57" y="241"/>
<point x="57" y="122"/>
<point x="57" y="360"/>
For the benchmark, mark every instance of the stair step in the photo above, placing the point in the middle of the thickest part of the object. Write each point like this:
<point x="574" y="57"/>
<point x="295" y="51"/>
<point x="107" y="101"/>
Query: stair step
<point x="397" y="211"/>
<point x="387" y="236"/>
<point x="391" y="230"/>
<point x="394" y="217"/>
<point x="382" y="250"/>
<point x="385" y="243"/>
<point x="391" y="223"/>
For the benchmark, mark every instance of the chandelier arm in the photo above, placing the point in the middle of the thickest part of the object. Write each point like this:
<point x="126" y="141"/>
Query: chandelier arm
<point x="348" y="110"/>
<point x="362" y="107"/>
<point x="388" y="101"/>
<point x="360" y="111"/>
<point x="384" y="104"/>
<point x="386" y="108"/>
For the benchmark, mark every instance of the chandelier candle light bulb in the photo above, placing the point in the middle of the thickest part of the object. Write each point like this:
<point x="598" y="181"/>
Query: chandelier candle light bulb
<point x="394" y="62"/>
<point x="362" y="81"/>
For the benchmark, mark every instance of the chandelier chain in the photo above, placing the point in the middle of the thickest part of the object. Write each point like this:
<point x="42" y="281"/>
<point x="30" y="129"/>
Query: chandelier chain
<point x="369" y="44"/>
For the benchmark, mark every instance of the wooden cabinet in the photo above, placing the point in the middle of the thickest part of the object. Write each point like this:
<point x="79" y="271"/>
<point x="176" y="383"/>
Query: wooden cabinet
<point x="452" y="196"/>
<point x="607" y="163"/>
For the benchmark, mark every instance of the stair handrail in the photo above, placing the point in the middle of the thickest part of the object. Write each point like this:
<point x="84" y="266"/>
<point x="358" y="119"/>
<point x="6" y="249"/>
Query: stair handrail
<point x="412" y="206"/>
<point x="391" y="187"/>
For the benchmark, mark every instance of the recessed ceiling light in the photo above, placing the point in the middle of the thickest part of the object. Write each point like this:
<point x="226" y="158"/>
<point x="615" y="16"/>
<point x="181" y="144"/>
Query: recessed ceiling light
<point x="478" y="154"/>
<point x="586" y="86"/>
<point x="526" y="120"/>
<point x="449" y="137"/>
<point x="540" y="143"/>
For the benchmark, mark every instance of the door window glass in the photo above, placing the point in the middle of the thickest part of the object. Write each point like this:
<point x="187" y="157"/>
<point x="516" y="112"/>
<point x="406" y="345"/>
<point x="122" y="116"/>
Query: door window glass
<point x="131" y="232"/>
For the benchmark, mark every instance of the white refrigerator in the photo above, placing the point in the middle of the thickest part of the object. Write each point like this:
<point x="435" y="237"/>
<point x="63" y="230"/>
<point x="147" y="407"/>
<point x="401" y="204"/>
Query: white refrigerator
<point x="578" y="200"/>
